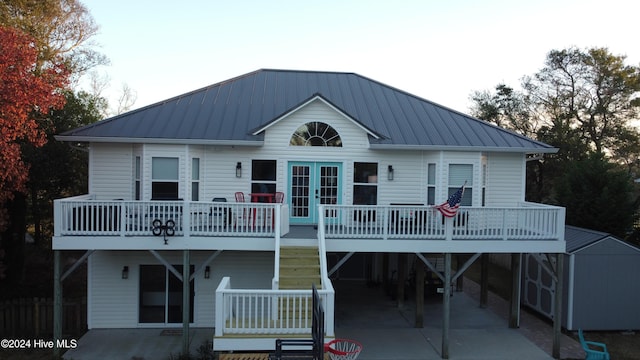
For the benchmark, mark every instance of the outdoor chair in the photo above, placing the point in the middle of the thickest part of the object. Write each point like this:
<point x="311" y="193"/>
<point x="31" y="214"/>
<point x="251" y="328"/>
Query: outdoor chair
<point x="220" y="214"/>
<point x="239" y="196"/>
<point x="594" y="350"/>
<point x="279" y="197"/>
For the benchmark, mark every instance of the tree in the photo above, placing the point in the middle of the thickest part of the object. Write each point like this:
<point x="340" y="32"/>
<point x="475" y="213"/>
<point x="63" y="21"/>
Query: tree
<point x="61" y="170"/>
<point x="60" y="29"/>
<point x="598" y="194"/>
<point x="590" y="91"/>
<point x="25" y="95"/>
<point x="506" y="108"/>
<point x="582" y="102"/>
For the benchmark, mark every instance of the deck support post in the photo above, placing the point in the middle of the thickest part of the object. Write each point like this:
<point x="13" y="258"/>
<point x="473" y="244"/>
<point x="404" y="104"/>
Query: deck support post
<point x="419" y="295"/>
<point x="186" y="301"/>
<point x="460" y="260"/>
<point x="385" y="271"/>
<point x="402" y="277"/>
<point x="446" y="305"/>
<point x="558" y="304"/>
<point x="484" y="280"/>
<point x="57" y="302"/>
<point x="514" y="309"/>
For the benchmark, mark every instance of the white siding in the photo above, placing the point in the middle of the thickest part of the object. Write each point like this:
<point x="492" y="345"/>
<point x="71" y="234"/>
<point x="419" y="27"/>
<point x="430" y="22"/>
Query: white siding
<point x="114" y="302"/>
<point x="505" y="179"/>
<point x="112" y="165"/>
<point x="111" y="171"/>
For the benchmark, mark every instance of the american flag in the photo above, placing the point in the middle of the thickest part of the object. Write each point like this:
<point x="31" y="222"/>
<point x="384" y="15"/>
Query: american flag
<point x="450" y="207"/>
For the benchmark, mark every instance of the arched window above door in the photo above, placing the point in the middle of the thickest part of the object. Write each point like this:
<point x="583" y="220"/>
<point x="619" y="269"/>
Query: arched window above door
<point x="315" y="133"/>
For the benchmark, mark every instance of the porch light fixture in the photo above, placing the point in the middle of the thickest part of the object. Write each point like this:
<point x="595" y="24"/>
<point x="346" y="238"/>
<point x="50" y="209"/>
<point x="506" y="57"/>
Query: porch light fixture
<point x="239" y="169"/>
<point x="125" y="272"/>
<point x="207" y="272"/>
<point x="390" y="172"/>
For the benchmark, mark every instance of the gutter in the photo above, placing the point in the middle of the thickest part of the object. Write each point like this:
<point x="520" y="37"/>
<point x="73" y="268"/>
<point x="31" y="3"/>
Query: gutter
<point x="126" y="140"/>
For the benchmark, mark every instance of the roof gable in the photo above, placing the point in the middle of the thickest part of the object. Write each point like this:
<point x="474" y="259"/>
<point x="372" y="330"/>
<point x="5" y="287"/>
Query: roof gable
<point x="327" y="103"/>
<point x="237" y="111"/>
<point x="578" y="239"/>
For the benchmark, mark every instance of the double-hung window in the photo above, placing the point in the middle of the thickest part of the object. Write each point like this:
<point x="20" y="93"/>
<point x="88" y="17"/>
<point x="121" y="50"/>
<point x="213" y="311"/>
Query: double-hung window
<point x="263" y="176"/>
<point x="195" y="179"/>
<point x="431" y="184"/>
<point x="459" y="174"/>
<point x="365" y="183"/>
<point x="164" y="178"/>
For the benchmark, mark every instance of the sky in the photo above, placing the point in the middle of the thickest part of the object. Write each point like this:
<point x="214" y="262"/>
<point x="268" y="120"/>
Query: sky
<point x="441" y="50"/>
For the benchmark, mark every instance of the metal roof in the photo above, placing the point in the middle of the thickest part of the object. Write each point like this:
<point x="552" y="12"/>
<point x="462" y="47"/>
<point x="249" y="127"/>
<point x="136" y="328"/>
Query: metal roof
<point x="579" y="238"/>
<point x="230" y="111"/>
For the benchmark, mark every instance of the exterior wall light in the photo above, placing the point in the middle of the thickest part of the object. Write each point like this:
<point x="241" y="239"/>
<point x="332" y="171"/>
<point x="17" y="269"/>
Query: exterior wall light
<point x="390" y="172"/>
<point x="207" y="272"/>
<point x="239" y="169"/>
<point x="125" y="272"/>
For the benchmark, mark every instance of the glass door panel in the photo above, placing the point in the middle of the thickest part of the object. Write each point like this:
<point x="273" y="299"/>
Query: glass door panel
<point x="161" y="295"/>
<point x="310" y="184"/>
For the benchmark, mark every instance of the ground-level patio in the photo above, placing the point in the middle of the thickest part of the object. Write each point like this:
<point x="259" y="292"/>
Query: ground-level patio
<point x="368" y="315"/>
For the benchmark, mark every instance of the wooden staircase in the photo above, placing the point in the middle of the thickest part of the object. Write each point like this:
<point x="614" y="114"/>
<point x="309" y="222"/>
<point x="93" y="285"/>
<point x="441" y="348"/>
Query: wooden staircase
<point x="299" y="268"/>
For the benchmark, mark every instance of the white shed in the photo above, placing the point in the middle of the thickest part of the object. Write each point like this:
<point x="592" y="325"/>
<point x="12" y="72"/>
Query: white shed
<point x="601" y="290"/>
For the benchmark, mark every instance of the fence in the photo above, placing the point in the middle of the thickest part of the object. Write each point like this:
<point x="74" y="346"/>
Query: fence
<point x="33" y="317"/>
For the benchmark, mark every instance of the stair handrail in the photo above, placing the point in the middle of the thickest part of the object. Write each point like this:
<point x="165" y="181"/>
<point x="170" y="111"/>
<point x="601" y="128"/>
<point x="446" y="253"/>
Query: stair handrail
<point x="329" y="304"/>
<point x="275" y="282"/>
<point x="322" y="250"/>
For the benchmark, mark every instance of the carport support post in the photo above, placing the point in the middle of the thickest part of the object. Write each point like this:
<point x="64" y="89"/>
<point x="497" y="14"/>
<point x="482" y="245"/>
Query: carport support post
<point x="402" y="277"/>
<point x="484" y="280"/>
<point x="446" y="305"/>
<point x="185" y="302"/>
<point x="419" y="295"/>
<point x="558" y="304"/>
<point x="514" y="310"/>
<point x="57" y="302"/>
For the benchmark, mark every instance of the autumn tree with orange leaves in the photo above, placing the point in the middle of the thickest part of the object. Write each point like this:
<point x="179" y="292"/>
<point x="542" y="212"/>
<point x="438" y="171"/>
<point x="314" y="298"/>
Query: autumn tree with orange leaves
<point x="27" y="93"/>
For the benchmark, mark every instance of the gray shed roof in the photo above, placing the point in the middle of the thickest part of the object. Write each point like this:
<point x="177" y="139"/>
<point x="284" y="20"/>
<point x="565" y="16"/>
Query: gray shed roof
<point x="578" y="238"/>
<point x="230" y="111"/>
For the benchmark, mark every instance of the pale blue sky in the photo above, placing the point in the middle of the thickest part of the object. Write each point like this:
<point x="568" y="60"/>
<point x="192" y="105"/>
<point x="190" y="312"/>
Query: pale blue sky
<point x="439" y="50"/>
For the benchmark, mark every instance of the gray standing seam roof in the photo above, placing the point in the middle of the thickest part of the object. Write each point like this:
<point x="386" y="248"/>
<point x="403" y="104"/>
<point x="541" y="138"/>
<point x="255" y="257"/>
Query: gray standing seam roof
<point x="228" y="112"/>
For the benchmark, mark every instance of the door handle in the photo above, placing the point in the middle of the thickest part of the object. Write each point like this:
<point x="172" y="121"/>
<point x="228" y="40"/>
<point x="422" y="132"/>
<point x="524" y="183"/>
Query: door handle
<point x="316" y="193"/>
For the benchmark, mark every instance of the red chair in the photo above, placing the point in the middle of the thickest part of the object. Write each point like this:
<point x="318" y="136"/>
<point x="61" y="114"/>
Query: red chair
<point x="239" y="196"/>
<point x="279" y="197"/>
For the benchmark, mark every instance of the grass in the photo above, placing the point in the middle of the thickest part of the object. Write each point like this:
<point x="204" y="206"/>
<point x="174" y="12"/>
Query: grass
<point x="621" y="345"/>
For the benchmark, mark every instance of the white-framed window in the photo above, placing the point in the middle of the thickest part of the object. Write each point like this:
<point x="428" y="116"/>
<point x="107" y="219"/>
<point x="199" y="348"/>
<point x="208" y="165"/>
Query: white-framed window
<point x="458" y="175"/>
<point x="137" y="185"/>
<point x="316" y="133"/>
<point x="365" y="183"/>
<point x="263" y="176"/>
<point x="164" y="178"/>
<point x="195" y="179"/>
<point x="431" y="184"/>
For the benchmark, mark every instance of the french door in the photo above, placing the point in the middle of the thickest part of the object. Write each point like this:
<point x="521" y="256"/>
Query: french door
<point x="312" y="184"/>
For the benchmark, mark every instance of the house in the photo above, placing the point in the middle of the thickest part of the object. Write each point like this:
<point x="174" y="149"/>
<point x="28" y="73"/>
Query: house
<point x="191" y="183"/>
<point x="601" y="290"/>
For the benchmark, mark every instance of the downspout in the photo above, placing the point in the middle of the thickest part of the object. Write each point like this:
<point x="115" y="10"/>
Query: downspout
<point x="570" y="285"/>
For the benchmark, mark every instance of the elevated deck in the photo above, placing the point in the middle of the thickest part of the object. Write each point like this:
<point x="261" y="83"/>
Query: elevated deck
<point x="85" y="223"/>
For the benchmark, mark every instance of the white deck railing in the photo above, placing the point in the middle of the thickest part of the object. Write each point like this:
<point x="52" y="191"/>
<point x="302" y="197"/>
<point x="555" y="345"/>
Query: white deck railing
<point x="85" y="216"/>
<point x="82" y="216"/>
<point x="526" y="222"/>
<point x="269" y="312"/>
